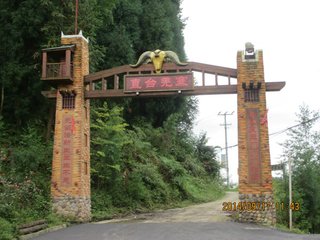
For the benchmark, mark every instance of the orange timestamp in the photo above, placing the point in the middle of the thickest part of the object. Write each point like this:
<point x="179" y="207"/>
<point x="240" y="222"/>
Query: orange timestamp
<point x="259" y="206"/>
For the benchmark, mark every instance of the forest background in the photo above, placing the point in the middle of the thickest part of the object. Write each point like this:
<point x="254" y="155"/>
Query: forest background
<point x="144" y="154"/>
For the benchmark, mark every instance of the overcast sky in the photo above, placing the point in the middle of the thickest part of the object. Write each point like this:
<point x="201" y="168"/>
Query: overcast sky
<point x="288" y="33"/>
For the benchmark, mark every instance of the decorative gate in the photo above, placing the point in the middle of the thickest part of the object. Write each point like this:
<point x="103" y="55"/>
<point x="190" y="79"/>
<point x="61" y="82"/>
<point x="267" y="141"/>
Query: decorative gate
<point x="67" y="69"/>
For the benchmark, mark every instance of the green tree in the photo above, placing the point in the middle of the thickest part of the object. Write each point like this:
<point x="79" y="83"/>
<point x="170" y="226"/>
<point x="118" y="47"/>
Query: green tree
<point x="207" y="155"/>
<point x="139" y="26"/>
<point x="161" y="28"/>
<point x="143" y="150"/>
<point x="303" y="147"/>
<point x="108" y="138"/>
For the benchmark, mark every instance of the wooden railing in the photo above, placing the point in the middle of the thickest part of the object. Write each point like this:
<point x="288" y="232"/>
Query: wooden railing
<point x="109" y="83"/>
<point x="58" y="70"/>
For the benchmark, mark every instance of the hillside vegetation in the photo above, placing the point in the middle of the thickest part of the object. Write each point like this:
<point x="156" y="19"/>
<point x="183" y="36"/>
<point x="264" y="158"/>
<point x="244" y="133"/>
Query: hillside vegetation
<point x="144" y="154"/>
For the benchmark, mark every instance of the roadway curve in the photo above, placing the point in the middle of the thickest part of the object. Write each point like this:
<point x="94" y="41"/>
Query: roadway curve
<point x="198" y="222"/>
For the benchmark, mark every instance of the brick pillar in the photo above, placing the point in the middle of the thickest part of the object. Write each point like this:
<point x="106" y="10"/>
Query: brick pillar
<point x="70" y="184"/>
<point x="255" y="179"/>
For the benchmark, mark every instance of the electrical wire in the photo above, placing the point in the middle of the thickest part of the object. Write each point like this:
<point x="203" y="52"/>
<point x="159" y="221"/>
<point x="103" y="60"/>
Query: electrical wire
<point x="297" y="125"/>
<point x="284" y="130"/>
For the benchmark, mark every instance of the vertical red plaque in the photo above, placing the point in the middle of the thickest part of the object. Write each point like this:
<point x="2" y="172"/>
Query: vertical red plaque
<point x="66" y="161"/>
<point x="253" y="143"/>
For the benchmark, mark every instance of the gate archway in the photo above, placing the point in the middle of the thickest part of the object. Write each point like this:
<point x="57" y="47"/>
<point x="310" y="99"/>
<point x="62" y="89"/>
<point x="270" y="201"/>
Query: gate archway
<point x="67" y="68"/>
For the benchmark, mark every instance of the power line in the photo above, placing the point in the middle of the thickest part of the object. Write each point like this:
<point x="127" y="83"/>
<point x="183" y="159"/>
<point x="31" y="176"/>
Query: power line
<point x="297" y="125"/>
<point x="284" y="130"/>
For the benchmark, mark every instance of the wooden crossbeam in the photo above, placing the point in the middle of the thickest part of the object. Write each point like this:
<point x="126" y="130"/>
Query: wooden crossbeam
<point x="113" y="75"/>
<point x="198" y="90"/>
<point x="192" y="66"/>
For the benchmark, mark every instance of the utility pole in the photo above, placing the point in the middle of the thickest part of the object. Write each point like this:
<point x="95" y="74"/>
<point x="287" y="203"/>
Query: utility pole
<point x="290" y="193"/>
<point x="76" y="18"/>
<point x="226" y="140"/>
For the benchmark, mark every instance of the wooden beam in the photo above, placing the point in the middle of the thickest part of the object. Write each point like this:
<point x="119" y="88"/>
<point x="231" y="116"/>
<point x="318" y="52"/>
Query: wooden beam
<point x="200" y="90"/>
<point x="274" y="86"/>
<point x="49" y="94"/>
<point x="44" y="64"/>
<point x="208" y="90"/>
<point x="193" y="66"/>
<point x="104" y="84"/>
<point x="203" y="79"/>
<point x="68" y="63"/>
<point x="116" y="82"/>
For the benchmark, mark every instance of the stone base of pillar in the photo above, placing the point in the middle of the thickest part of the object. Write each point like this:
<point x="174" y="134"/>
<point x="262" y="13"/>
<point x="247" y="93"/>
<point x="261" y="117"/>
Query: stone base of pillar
<point x="257" y="208"/>
<point x="76" y="208"/>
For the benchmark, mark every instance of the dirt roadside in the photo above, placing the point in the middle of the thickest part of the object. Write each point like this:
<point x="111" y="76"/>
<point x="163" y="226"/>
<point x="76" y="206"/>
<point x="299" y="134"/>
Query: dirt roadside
<point x="205" y="212"/>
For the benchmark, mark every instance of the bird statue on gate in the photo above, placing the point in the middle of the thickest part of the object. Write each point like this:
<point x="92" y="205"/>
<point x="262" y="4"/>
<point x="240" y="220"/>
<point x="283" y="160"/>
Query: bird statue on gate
<point x="157" y="57"/>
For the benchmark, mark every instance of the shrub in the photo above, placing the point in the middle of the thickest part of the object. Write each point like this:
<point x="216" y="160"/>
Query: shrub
<point x="6" y="230"/>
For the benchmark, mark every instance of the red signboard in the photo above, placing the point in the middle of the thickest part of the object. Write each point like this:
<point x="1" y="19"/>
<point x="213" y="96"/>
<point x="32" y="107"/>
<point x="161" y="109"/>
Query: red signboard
<point x="160" y="82"/>
<point x="253" y="143"/>
<point x="66" y="161"/>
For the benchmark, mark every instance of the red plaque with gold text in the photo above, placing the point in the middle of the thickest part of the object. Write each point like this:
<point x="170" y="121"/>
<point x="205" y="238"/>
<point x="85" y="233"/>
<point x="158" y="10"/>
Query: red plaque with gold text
<point x="253" y="143"/>
<point x="160" y="82"/>
<point x="66" y="161"/>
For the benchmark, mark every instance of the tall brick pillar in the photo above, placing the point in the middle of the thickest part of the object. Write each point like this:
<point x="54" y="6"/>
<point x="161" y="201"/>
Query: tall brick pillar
<point x="70" y="185"/>
<point x="255" y="179"/>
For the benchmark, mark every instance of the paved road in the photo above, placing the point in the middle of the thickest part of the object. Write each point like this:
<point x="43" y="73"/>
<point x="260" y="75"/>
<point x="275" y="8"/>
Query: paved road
<point x="206" y="212"/>
<point x="171" y="231"/>
<point x="198" y="222"/>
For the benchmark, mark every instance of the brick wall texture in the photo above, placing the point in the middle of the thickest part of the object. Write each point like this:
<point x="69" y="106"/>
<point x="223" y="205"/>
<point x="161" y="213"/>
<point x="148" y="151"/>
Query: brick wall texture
<point x="253" y="155"/>
<point x="72" y="198"/>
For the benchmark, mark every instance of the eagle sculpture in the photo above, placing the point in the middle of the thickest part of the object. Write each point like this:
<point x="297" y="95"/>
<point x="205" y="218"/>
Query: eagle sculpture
<point x="157" y="57"/>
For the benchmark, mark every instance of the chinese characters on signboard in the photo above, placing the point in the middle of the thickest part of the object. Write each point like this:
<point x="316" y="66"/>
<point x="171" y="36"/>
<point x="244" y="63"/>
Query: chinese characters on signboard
<point x="66" y="161"/>
<point x="163" y="82"/>
<point x="253" y="143"/>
